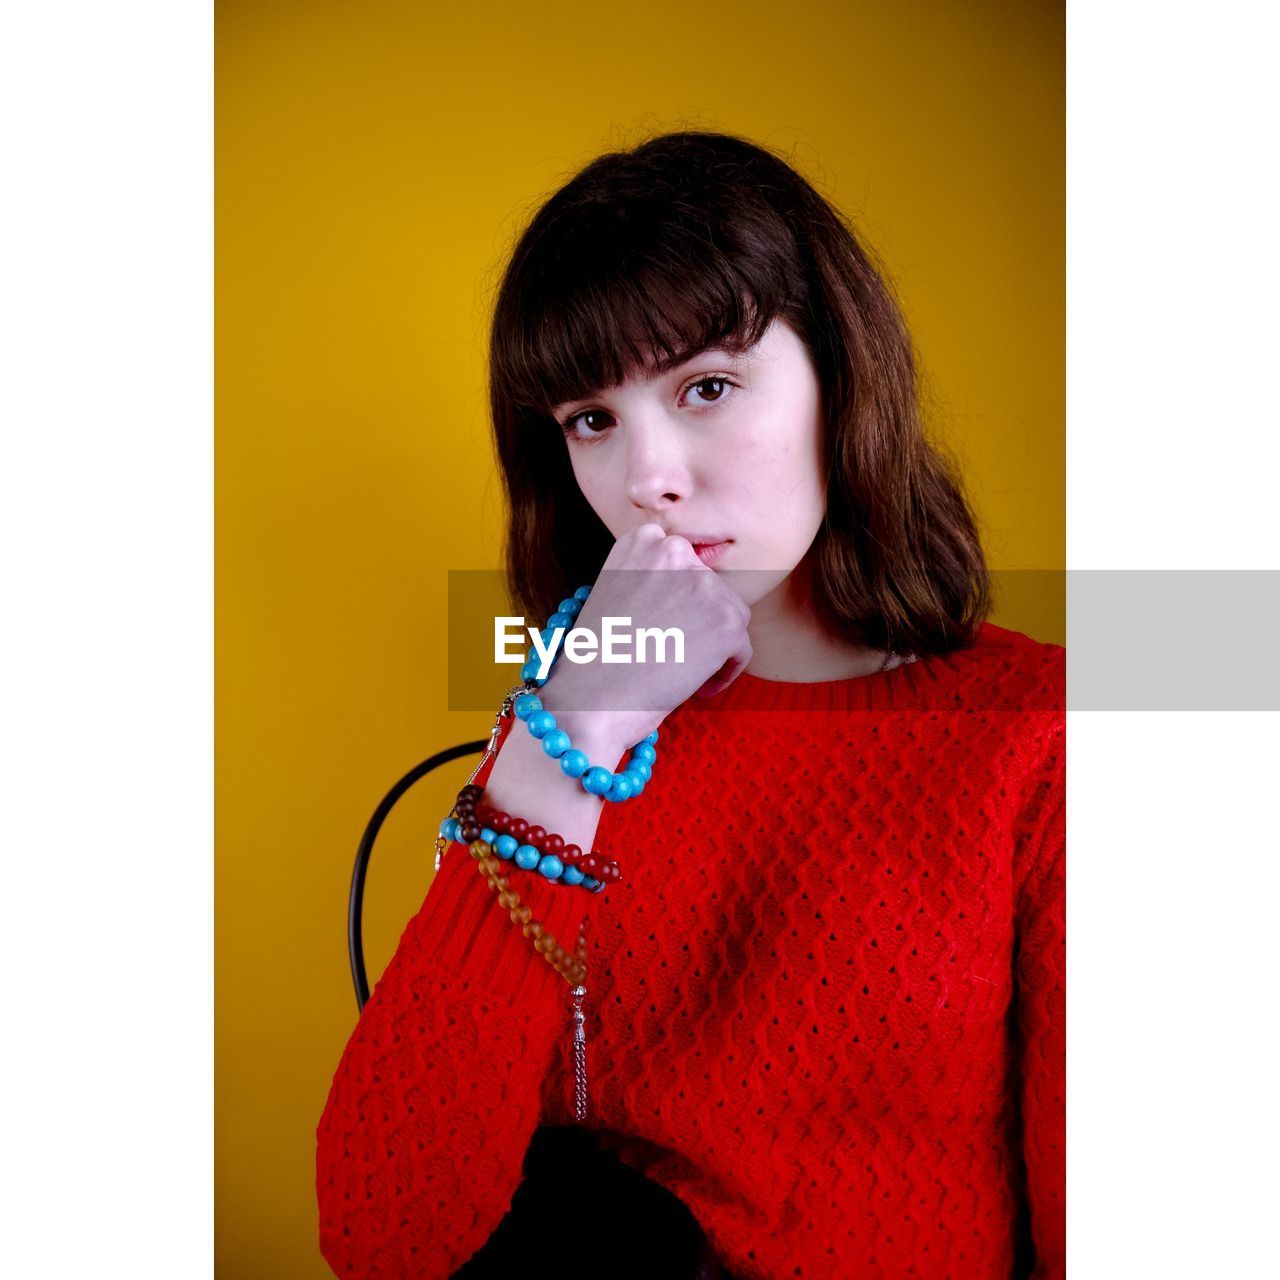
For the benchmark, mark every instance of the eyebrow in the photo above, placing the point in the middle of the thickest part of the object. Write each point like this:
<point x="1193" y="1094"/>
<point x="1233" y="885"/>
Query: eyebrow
<point x="656" y="369"/>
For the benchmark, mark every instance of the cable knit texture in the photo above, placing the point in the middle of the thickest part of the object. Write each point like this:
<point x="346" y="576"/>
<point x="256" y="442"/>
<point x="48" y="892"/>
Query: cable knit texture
<point x="826" y="1003"/>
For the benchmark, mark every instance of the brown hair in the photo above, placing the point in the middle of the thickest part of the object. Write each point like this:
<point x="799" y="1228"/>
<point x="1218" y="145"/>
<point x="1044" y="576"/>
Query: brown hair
<point x="693" y="240"/>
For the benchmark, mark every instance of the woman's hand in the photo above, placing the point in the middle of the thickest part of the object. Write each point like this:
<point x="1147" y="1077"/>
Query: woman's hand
<point x="656" y="580"/>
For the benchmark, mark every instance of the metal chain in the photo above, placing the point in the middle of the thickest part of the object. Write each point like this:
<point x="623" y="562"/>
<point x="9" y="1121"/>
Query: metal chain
<point x="577" y="995"/>
<point x="512" y="694"/>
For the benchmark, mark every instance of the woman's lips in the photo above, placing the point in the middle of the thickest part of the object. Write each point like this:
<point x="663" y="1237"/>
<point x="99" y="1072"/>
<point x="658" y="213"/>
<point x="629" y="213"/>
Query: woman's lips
<point x="710" y="552"/>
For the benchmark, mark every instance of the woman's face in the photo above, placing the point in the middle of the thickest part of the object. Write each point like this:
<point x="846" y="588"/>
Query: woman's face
<point x="722" y="448"/>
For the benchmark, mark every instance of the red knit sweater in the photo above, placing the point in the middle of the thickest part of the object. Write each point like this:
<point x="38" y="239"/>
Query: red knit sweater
<point x="826" y="1002"/>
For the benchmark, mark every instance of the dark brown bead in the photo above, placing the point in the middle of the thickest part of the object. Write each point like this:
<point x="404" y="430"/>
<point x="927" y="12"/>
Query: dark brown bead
<point x="470" y="832"/>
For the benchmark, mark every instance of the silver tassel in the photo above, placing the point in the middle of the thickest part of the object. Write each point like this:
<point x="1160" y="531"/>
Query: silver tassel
<point x="577" y="995"/>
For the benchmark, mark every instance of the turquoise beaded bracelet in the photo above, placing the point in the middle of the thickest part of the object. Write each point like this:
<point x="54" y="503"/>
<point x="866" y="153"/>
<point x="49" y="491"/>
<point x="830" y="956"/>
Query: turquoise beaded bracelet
<point x="627" y="782"/>
<point x="630" y="780"/>
<point x="525" y="856"/>
<point x="566" y="611"/>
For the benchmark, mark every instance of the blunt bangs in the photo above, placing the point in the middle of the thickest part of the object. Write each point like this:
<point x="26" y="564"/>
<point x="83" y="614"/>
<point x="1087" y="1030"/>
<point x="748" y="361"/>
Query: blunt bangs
<point x="637" y="284"/>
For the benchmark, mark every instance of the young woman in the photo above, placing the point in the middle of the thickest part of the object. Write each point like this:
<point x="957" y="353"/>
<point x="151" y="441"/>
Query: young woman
<point x="824" y="1002"/>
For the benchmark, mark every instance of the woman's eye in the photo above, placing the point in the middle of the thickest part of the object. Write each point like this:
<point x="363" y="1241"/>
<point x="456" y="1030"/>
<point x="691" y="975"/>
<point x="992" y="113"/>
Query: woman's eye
<point x="709" y="390"/>
<point x="594" y="420"/>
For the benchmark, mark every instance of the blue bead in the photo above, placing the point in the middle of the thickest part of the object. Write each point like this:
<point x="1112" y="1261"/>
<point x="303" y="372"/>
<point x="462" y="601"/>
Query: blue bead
<point x="556" y="743"/>
<point x="597" y="780"/>
<point x="525" y="705"/>
<point x="540" y="723"/>
<point x="527" y="857"/>
<point x="560" y="620"/>
<point x="652" y="739"/>
<point x="530" y="670"/>
<point x="620" y="788"/>
<point x="644" y="752"/>
<point x="574" y="763"/>
<point x="446" y="828"/>
<point x="505" y="846"/>
<point x="572" y="606"/>
<point x="582" y="593"/>
<point x="597" y="886"/>
<point x="640" y="769"/>
<point x="572" y="876"/>
<point x="637" y="783"/>
<point x="551" y="866"/>
<point x="548" y="637"/>
<point x="488" y="835"/>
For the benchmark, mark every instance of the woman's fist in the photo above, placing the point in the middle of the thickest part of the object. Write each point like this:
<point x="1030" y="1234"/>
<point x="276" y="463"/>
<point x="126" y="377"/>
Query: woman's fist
<point x="655" y="580"/>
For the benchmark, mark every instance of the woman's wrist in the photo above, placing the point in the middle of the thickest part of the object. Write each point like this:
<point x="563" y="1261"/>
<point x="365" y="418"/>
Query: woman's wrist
<point x="603" y="735"/>
<point x="526" y="781"/>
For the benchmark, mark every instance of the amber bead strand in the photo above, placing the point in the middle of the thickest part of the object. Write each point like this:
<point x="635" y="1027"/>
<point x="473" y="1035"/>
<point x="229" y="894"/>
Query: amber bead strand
<point x="572" y="968"/>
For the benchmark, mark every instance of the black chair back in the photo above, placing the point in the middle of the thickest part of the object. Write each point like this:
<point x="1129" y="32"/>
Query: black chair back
<point x="355" y="901"/>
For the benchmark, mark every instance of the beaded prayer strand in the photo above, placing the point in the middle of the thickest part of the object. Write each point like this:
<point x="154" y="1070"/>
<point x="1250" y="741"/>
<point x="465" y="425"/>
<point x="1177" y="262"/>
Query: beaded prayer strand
<point x="468" y="811"/>
<point x="572" y="968"/>
<point x="497" y="839"/>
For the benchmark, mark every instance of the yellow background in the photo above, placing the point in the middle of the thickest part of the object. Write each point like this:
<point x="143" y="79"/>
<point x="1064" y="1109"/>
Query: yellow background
<point x="374" y="162"/>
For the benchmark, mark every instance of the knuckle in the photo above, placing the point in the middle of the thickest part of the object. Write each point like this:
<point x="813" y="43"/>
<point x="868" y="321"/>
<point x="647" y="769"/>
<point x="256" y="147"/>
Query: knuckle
<point x="728" y="618"/>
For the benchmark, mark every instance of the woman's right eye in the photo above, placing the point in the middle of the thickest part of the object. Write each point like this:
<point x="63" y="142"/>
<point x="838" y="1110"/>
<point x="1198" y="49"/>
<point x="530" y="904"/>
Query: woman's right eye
<point x="596" y="422"/>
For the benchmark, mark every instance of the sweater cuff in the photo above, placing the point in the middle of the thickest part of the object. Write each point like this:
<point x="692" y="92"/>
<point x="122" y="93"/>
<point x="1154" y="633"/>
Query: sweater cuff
<point x="480" y="942"/>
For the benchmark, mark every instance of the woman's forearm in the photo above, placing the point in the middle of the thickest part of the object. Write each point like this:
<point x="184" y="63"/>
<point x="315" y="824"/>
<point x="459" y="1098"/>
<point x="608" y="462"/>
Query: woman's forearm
<point x="529" y="784"/>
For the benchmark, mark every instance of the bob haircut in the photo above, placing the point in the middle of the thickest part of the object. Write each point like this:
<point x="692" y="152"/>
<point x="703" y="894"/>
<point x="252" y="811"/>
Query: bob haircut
<point x="692" y="240"/>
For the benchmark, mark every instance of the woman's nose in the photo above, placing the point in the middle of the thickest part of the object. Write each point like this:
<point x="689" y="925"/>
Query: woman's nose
<point x="657" y="468"/>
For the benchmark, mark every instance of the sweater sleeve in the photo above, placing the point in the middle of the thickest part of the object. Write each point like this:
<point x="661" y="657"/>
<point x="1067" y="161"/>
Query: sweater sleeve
<point x="421" y="1144"/>
<point x="1040" y="972"/>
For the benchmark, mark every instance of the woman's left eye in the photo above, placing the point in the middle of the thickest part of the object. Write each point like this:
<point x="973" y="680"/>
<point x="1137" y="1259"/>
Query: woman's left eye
<point x="710" y="390"/>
